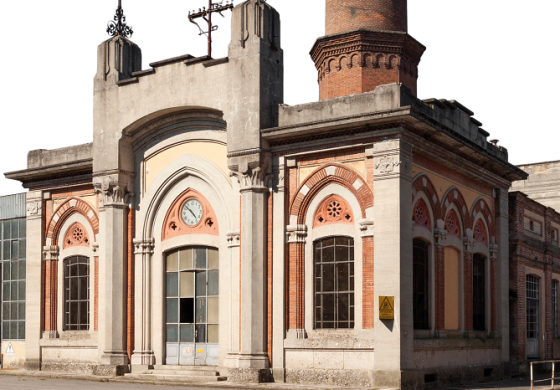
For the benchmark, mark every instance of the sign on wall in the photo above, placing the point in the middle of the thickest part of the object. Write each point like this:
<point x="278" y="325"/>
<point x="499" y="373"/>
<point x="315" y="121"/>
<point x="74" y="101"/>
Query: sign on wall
<point x="386" y="308"/>
<point x="10" y="350"/>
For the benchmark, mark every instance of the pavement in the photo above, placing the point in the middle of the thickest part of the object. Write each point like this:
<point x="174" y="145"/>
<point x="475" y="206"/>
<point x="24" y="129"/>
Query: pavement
<point x="33" y="380"/>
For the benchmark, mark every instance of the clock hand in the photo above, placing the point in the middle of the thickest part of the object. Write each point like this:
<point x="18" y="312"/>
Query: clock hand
<point x="190" y="211"/>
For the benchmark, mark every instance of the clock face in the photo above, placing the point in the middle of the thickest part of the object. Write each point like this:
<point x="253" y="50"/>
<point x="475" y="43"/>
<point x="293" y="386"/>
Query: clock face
<point x="191" y="212"/>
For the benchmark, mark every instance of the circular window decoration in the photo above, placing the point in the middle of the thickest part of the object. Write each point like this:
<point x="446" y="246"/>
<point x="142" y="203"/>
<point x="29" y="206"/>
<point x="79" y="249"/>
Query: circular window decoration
<point x="78" y="234"/>
<point x="334" y="209"/>
<point x="191" y="212"/>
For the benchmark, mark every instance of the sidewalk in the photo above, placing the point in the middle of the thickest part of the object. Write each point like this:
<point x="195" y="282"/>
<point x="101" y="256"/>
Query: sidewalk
<point x="510" y="384"/>
<point x="201" y="385"/>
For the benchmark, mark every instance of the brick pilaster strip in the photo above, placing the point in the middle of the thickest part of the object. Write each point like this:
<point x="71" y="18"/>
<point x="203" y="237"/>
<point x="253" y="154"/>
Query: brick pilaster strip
<point x="368" y="284"/>
<point x="468" y="283"/>
<point x="440" y="287"/>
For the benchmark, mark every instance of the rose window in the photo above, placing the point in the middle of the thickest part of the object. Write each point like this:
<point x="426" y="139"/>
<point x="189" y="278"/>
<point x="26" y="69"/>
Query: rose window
<point x="334" y="209"/>
<point x="78" y="234"/>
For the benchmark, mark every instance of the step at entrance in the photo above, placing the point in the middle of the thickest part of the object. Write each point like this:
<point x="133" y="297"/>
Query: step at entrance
<point x="179" y="374"/>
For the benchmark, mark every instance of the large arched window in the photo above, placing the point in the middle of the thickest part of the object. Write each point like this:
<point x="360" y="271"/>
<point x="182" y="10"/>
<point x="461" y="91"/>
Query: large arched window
<point x="420" y="284"/>
<point x="76" y="293"/>
<point x="334" y="283"/>
<point x="479" y="295"/>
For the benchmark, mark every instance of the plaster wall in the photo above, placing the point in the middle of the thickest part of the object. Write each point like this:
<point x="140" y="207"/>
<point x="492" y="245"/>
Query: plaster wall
<point x="17" y="360"/>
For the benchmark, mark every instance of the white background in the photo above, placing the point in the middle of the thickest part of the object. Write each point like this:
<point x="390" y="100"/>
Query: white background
<point x="499" y="58"/>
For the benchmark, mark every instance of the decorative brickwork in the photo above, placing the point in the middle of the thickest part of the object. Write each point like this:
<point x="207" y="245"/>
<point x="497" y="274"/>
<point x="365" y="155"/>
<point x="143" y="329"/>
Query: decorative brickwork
<point x="452" y="225"/>
<point x="334" y="209"/>
<point x="368" y="314"/>
<point x="421" y="215"/>
<point x="76" y="235"/>
<point x="480" y="234"/>
<point x="173" y="226"/>
<point x="454" y="195"/>
<point x="468" y="286"/>
<point x="383" y="15"/>
<point x="64" y="211"/>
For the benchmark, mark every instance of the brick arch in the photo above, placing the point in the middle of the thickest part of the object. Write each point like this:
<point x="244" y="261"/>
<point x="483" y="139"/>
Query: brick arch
<point x="481" y="206"/>
<point x="421" y="215"/>
<point x="453" y="224"/>
<point x="454" y="195"/>
<point x="423" y="183"/>
<point x="327" y="174"/>
<point x="64" y="211"/>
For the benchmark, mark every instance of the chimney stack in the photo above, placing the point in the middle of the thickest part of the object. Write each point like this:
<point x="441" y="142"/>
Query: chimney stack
<point x="367" y="45"/>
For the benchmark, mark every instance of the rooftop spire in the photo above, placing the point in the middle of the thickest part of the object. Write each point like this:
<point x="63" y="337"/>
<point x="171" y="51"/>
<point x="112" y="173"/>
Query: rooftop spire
<point x="117" y="26"/>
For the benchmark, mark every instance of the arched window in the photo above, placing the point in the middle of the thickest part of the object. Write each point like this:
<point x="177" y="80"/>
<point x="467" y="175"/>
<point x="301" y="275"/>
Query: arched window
<point x="420" y="284"/>
<point x="479" y="296"/>
<point x="532" y="306"/>
<point x="76" y="293"/>
<point x="334" y="283"/>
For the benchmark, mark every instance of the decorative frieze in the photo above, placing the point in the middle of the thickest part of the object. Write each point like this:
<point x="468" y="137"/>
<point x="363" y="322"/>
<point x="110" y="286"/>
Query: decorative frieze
<point x="51" y="252"/>
<point x="233" y="239"/>
<point x="392" y="158"/>
<point x="144" y="246"/>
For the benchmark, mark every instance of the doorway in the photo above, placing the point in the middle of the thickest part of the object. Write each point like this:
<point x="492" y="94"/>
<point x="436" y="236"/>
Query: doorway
<point x="532" y="291"/>
<point x="192" y="307"/>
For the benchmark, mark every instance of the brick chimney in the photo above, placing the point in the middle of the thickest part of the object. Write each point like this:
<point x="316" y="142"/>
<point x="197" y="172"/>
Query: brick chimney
<point x="367" y="44"/>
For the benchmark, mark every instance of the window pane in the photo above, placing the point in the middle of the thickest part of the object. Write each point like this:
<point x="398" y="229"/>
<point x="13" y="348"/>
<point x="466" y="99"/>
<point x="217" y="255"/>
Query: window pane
<point x="14" y="288"/>
<point x="328" y="307"/>
<point x="200" y="334"/>
<point x="172" y="262"/>
<point x="15" y="249"/>
<point x="186" y="315"/>
<point x="172" y="310"/>
<point x="5" y="330"/>
<point x="6" y="271"/>
<point x="21" y="330"/>
<point x="21" y="290"/>
<point x="172" y="284"/>
<point x="14" y="268"/>
<point x="213" y="334"/>
<point x="200" y="261"/>
<point x="328" y="277"/>
<point x="213" y="282"/>
<point x="6" y="250"/>
<point x="15" y="229"/>
<point x="341" y="253"/>
<point x="172" y="333"/>
<point x="6" y="291"/>
<point x="73" y="313"/>
<point x="342" y="276"/>
<point x="187" y="333"/>
<point x="186" y="259"/>
<point x="187" y="284"/>
<point x="22" y="249"/>
<point x="13" y="331"/>
<point x="22" y="227"/>
<point x="22" y="272"/>
<point x="200" y="310"/>
<point x="21" y="311"/>
<point x="83" y="288"/>
<point x="6" y="310"/>
<point x="14" y="311"/>
<point x="7" y="230"/>
<point x="83" y="315"/>
<point x="213" y="259"/>
<point x="201" y="284"/>
<point x="214" y="310"/>
<point x="328" y="254"/>
<point x="343" y="307"/>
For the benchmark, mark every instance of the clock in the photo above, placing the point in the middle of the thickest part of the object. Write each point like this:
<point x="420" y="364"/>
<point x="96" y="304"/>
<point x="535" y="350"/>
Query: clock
<point x="191" y="213"/>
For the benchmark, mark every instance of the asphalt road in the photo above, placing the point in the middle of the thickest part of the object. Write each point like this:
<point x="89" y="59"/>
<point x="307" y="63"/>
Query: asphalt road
<point x="28" y="383"/>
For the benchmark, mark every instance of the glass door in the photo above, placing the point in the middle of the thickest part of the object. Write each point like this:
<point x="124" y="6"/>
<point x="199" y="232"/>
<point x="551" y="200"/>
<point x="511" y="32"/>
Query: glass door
<point x="192" y="306"/>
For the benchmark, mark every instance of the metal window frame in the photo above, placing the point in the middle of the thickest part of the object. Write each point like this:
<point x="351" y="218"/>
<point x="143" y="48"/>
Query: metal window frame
<point x="68" y="299"/>
<point x="424" y="322"/>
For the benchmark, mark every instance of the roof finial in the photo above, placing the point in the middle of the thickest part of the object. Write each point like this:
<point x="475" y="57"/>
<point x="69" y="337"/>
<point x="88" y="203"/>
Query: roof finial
<point x="117" y="26"/>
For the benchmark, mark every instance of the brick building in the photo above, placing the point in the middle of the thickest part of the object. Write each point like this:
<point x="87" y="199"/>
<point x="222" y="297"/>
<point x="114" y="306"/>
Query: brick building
<point x="218" y="227"/>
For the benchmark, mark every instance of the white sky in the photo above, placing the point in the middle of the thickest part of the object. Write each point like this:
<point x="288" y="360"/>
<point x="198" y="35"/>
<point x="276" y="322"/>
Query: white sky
<point x="496" y="57"/>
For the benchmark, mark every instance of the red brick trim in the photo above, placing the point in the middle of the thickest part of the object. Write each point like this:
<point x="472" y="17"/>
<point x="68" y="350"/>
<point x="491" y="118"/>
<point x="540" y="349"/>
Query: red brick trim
<point x="480" y="206"/>
<point x="423" y="183"/>
<point x="368" y="314"/>
<point x="468" y="284"/>
<point x="440" y="287"/>
<point x="421" y="215"/>
<point x="64" y="211"/>
<point x="454" y="195"/>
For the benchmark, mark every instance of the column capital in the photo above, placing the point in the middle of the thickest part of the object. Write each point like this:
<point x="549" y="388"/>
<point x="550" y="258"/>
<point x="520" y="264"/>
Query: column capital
<point x="234" y="238"/>
<point x="440" y="237"/>
<point x="367" y="227"/>
<point x="113" y="190"/>
<point x="252" y="168"/>
<point x="144" y="246"/>
<point x="493" y="251"/>
<point x="34" y="205"/>
<point x="468" y="244"/>
<point x="296" y="234"/>
<point x="51" y="252"/>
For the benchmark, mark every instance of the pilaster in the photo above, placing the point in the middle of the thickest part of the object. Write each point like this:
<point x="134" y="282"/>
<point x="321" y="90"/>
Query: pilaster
<point x="393" y="260"/>
<point x="50" y="257"/>
<point x="34" y="264"/>
<point x="113" y="220"/>
<point x="143" y="354"/>
<point x="252" y="171"/>
<point x="502" y="269"/>
<point x="296" y="236"/>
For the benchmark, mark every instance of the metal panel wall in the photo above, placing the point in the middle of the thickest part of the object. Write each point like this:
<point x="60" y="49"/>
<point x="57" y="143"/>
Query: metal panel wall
<point x="13" y="206"/>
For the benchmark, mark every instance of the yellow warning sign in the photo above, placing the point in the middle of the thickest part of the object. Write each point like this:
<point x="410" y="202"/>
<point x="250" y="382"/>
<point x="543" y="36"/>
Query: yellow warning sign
<point x="199" y="351"/>
<point x="386" y="308"/>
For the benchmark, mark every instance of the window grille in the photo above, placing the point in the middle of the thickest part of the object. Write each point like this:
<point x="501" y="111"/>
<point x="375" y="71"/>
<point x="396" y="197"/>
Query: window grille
<point x="532" y="291"/>
<point x="334" y="283"/>
<point x="76" y="293"/>
<point x="479" y="296"/>
<point x="13" y="275"/>
<point x="421" y="284"/>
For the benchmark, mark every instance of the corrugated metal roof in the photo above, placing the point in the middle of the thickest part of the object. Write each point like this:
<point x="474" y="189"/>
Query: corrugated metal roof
<point x="13" y="206"/>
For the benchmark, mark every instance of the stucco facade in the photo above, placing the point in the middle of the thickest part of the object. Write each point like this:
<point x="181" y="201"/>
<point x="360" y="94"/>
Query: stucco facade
<point x="407" y="193"/>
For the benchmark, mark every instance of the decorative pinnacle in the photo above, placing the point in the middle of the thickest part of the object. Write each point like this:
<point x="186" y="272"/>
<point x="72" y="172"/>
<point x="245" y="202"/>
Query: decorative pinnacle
<point x="117" y="26"/>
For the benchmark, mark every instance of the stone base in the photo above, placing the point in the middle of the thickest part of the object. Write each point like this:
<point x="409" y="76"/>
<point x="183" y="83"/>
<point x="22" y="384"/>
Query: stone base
<point x="110" y="370"/>
<point x="330" y="377"/>
<point x="82" y="368"/>
<point x="32" y="365"/>
<point x="249" y="375"/>
<point x="279" y="375"/>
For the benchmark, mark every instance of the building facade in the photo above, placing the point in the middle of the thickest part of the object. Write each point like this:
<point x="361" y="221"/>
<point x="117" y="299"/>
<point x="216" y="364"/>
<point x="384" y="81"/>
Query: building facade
<point x="219" y="227"/>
